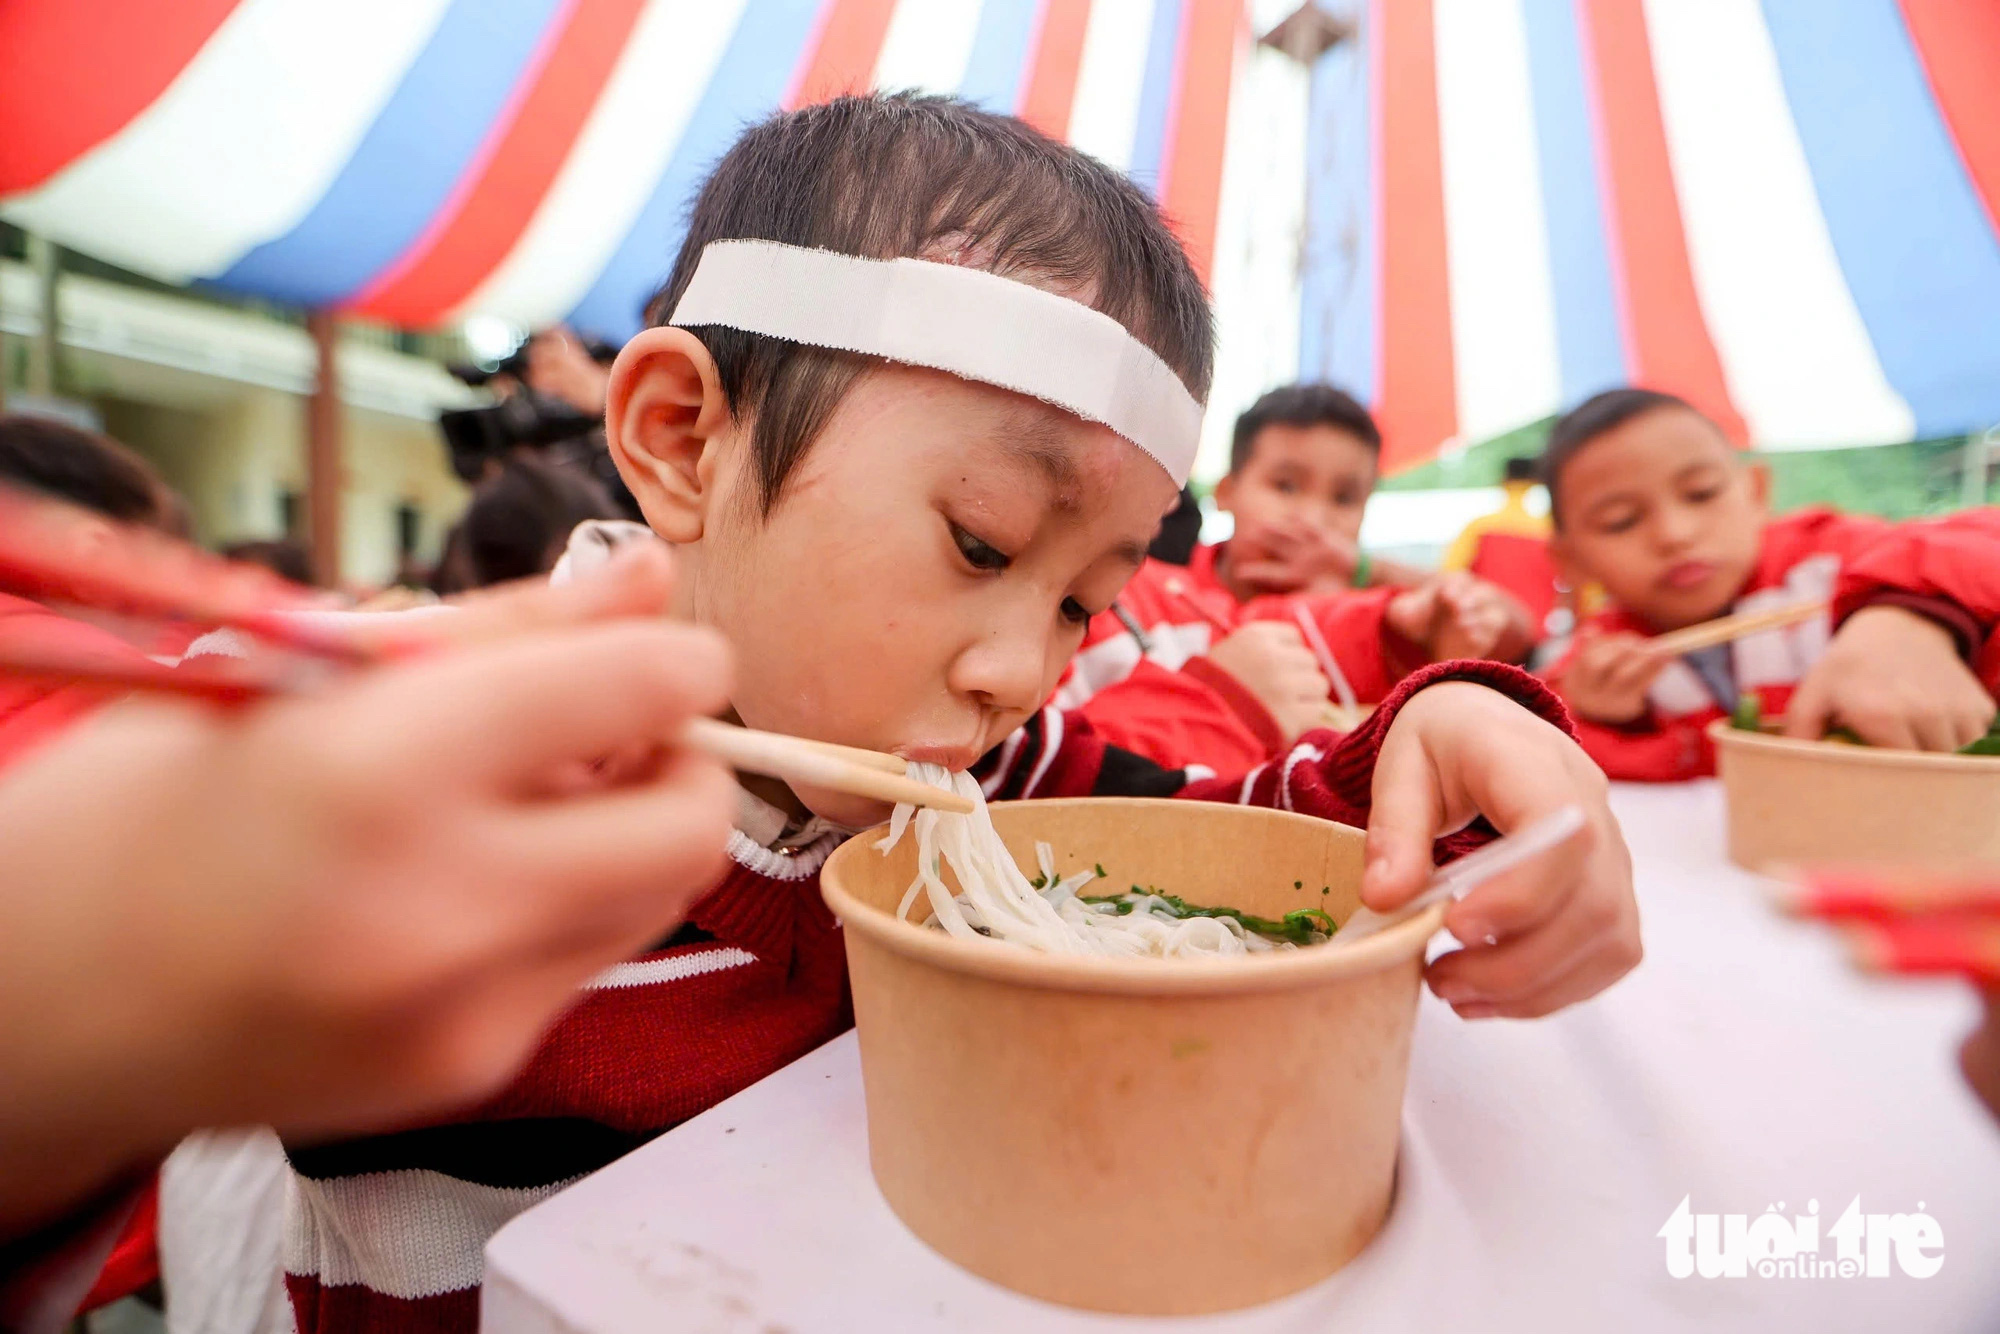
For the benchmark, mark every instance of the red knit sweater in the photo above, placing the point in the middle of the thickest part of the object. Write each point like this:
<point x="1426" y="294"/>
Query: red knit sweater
<point x="386" y="1234"/>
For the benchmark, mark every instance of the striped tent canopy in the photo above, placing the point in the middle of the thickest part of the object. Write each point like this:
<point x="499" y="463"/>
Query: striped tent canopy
<point x="415" y="161"/>
<point x="1786" y="211"/>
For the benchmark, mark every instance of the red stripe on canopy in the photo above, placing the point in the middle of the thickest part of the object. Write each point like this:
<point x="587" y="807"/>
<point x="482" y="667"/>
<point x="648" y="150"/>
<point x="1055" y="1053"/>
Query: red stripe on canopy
<point x="1198" y="124"/>
<point x="843" y="61"/>
<point x="1416" y="404"/>
<point x="80" y="71"/>
<point x="1959" y="44"/>
<point x="1050" y="92"/>
<point x="500" y="192"/>
<point x="1667" y="341"/>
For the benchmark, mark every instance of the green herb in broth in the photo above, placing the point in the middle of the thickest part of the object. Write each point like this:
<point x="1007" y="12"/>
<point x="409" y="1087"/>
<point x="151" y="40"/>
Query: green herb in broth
<point x="1748" y="716"/>
<point x="1307" y="926"/>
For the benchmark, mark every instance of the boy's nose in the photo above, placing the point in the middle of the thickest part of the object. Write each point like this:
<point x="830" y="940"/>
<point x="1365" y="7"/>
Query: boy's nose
<point x="1002" y="670"/>
<point x="1675" y="526"/>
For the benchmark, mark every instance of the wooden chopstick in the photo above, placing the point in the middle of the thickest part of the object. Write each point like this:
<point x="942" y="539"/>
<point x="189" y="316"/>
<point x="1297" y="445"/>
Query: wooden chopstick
<point x="864" y="773"/>
<point x="1725" y="628"/>
<point x="819" y="763"/>
<point x="867" y="759"/>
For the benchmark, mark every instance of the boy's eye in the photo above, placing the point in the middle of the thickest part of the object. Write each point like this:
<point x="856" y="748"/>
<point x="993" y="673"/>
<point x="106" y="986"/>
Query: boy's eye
<point x="1284" y="485"/>
<point x="1075" y="612"/>
<point x="1703" y="494"/>
<point x="1618" y="521"/>
<point x="979" y="555"/>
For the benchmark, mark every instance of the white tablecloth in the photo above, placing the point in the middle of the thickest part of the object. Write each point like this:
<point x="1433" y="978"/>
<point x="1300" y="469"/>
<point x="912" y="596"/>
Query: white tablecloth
<point x="1743" y="1065"/>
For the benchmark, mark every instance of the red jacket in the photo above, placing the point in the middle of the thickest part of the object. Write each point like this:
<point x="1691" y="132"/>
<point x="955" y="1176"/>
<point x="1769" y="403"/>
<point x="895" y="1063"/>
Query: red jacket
<point x="1947" y="569"/>
<point x="1171" y="705"/>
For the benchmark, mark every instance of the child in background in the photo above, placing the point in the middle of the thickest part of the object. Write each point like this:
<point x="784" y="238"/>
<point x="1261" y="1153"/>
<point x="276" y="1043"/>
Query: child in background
<point x="1651" y="501"/>
<point x="1245" y="645"/>
<point x="905" y="559"/>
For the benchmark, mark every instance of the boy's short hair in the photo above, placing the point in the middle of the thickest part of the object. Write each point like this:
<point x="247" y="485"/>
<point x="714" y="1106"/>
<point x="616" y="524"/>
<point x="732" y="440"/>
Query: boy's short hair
<point x="84" y="468"/>
<point x="1302" y="405"/>
<point x="1591" y="418"/>
<point x="909" y="175"/>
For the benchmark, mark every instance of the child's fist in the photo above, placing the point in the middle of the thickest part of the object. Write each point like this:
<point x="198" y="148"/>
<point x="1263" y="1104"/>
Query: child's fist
<point x="1894" y="678"/>
<point x="1460" y="616"/>
<point x="1295" y="557"/>
<point x="1271" y="661"/>
<point x="1551" y="932"/>
<point x="1608" y="676"/>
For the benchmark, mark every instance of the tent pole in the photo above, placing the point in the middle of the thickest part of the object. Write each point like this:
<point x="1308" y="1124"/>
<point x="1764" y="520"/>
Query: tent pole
<point x="45" y="347"/>
<point x="1977" y="457"/>
<point x="323" y="452"/>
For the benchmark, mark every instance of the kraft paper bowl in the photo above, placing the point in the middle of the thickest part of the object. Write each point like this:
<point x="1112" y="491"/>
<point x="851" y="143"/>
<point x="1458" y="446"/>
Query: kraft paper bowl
<point x="1145" y="1136"/>
<point x="1797" y="803"/>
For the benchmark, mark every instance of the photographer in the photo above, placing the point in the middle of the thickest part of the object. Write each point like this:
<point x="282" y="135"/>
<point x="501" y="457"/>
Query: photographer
<point x="549" y="406"/>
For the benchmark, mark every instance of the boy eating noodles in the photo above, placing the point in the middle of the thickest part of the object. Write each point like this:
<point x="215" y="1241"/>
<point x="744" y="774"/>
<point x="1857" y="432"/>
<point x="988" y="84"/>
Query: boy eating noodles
<point x="905" y="559"/>
<point x="1225" y="662"/>
<point x="1651" y="501"/>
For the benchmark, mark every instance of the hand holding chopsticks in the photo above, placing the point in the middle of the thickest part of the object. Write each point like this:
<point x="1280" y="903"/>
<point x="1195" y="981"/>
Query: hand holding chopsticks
<point x="149" y="575"/>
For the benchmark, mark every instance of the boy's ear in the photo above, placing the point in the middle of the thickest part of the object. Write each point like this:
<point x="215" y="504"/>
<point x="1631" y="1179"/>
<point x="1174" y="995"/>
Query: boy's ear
<point x="664" y="416"/>
<point x="1760" y="483"/>
<point x="1225" y="490"/>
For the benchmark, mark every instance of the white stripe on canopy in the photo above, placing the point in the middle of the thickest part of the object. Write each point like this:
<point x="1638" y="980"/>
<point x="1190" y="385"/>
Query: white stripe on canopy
<point x="928" y="44"/>
<point x="1798" y="360"/>
<point x="614" y="164"/>
<point x="1105" y="118"/>
<point x="244" y="141"/>
<point x="1496" y="236"/>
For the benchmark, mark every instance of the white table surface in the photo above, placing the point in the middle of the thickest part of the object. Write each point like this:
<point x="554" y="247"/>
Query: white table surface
<point x="1743" y="1064"/>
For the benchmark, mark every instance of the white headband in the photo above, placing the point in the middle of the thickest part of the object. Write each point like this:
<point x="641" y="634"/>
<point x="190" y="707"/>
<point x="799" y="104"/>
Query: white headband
<point x="971" y="323"/>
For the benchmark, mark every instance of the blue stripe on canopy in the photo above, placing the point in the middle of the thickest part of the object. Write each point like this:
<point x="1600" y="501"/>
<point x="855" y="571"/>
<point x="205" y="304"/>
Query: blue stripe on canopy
<point x="1156" y="94"/>
<point x="1914" y="241"/>
<point x="1589" y="345"/>
<point x="405" y="166"/>
<point x="999" y="60"/>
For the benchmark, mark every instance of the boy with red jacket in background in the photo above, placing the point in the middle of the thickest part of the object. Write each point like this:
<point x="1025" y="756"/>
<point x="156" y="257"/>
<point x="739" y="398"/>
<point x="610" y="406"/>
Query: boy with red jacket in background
<point x="1651" y="501"/>
<point x="1222" y="662"/>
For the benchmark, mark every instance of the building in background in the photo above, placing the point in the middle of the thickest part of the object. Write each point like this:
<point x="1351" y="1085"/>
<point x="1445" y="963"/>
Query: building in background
<point x="214" y="390"/>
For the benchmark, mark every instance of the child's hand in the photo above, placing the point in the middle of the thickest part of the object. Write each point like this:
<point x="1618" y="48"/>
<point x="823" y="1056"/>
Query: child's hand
<point x="1549" y="933"/>
<point x="1460" y="616"/>
<point x="360" y="903"/>
<point x="1607" y="678"/>
<point x="1271" y="661"/>
<point x="1896" y="679"/>
<point x="1296" y="557"/>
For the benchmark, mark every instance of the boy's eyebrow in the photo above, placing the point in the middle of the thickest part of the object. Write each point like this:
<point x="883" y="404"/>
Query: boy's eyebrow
<point x="1041" y="449"/>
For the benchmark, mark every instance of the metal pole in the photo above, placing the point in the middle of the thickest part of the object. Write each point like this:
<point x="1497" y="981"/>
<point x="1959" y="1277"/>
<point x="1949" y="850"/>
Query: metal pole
<point x="323" y="452"/>
<point x="46" y="345"/>
<point x="1978" y="455"/>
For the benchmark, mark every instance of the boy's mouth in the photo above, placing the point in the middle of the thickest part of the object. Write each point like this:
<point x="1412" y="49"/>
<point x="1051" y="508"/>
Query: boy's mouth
<point x="1688" y="575"/>
<point x="951" y="757"/>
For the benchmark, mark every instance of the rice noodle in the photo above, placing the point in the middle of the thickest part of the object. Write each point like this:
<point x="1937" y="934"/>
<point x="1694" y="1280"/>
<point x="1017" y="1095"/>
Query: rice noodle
<point x="996" y="899"/>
